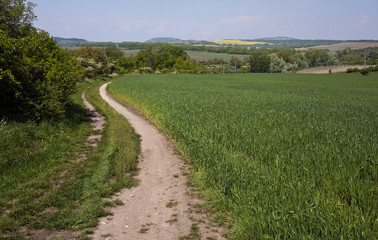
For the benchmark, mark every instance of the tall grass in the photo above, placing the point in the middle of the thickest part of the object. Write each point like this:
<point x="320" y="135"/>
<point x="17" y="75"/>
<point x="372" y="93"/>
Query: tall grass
<point x="44" y="184"/>
<point x="288" y="156"/>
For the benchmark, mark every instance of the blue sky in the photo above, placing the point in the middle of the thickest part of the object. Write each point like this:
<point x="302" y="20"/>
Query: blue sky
<point x="140" y="20"/>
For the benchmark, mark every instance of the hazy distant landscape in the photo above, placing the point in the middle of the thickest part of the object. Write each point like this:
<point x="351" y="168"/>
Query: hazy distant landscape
<point x="271" y="42"/>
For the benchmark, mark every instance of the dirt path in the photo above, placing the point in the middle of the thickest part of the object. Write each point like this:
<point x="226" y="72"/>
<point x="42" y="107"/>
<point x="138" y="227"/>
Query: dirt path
<point x="97" y="121"/>
<point x="159" y="208"/>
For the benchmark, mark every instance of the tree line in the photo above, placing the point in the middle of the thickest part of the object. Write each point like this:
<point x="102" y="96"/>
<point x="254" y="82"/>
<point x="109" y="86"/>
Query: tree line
<point x="315" y="56"/>
<point x="259" y="59"/>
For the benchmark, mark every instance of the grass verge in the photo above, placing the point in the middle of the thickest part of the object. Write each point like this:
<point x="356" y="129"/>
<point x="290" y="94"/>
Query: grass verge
<point x="43" y="185"/>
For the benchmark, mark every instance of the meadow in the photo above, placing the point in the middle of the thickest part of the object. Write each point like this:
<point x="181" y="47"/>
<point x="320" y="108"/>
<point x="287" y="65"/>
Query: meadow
<point x="279" y="156"/>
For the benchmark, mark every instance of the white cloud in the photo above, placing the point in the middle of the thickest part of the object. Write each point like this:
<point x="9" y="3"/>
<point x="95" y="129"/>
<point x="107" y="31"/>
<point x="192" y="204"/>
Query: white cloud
<point x="125" y="28"/>
<point x="245" y="27"/>
<point x="160" y="28"/>
<point x="364" y="21"/>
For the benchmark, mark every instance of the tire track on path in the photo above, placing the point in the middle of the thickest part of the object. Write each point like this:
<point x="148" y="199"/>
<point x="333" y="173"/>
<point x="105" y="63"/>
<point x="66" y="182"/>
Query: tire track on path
<point x="159" y="207"/>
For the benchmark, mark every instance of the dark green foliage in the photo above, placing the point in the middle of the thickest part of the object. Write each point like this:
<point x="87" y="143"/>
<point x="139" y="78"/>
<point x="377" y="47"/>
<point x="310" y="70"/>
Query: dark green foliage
<point x="235" y="62"/>
<point x="322" y="57"/>
<point x="94" y="61"/>
<point x="162" y="59"/>
<point x="16" y="18"/>
<point x="364" y="71"/>
<point x="36" y="77"/>
<point x="97" y="54"/>
<point x="126" y="64"/>
<point x="169" y="56"/>
<point x="113" y="53"/>
<point x="259" y="62"/>
<point x="352" y="70"/>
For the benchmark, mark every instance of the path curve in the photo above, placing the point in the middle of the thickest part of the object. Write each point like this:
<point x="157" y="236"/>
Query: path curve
<point x="159" y="208"/>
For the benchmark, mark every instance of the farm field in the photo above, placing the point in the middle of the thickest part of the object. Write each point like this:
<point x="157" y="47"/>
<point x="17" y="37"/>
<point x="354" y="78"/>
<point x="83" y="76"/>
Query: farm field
<point x="203" y="56"/>
<point x="239" y="42"/>
<point x="285" y="156"/>
<point x="351" y="45"/>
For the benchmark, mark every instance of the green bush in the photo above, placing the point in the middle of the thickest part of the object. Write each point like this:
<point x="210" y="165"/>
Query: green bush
<point x="364" y="71"/>
<point x="94" y="61"/>
<point x="36" y="77"/>
<point x="352" y="70"/>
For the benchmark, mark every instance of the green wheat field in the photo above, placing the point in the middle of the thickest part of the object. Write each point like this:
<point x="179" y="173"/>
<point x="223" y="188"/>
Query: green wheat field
<point x="283" y="156"/>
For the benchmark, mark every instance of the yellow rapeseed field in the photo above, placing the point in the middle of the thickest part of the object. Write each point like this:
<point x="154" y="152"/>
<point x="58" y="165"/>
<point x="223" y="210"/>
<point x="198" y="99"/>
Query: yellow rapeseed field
<point x="238" y="42"/>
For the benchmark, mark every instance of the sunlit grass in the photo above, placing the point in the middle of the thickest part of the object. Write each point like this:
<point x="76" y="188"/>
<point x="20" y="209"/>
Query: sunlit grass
<point x="287" y="156"/>
<point x="44" y="184"/>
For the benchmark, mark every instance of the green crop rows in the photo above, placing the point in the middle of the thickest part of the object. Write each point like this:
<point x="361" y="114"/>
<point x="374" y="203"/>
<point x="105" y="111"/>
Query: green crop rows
<point x="288" y="156"/>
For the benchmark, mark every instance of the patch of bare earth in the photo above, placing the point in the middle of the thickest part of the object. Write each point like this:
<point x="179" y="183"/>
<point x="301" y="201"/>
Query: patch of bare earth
<point x="97" y="121"/>
<point x="160" y="206"/>
<point x="352" y="45"/>
<point x="46" y="234"/>
<point x="333" y="69"/>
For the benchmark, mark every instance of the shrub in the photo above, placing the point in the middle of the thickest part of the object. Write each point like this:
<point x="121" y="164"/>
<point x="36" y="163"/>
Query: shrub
<point x="145" y="70"/>
<point x="364" y="71"/>
<point x="36" y="77"/>
<point x="94" y="60"/>
<point x="352" y="70"/>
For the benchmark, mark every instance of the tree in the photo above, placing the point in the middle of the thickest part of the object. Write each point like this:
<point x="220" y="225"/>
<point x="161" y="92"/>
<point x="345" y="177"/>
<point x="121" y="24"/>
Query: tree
<point x="140" y="59"/>
<point x="113" y="53"/>
<point x="323" y="57"/>
<point x="36" y="77"/>
<point x="277" y="64"/>
<point x="168" y="56"/>
<point x="16" y="18"/>
<point x="235" y="62"/>
<point x="162" y="57"/>
<point x="94" y="61"/>
<point x="97" y="54"/>
<point x="126" y="64"/>
<point x="259" y="62"/>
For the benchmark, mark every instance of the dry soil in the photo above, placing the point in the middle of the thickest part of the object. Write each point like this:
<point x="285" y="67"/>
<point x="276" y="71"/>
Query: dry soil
<point x="159" y="207"/>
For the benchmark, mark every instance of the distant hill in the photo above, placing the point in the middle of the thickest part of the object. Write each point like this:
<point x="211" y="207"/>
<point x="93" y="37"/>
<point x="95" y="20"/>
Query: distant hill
<point x="163" y="39"/>
<point x="69" y="41"/>
<point x="276" y="39"/>
<point x="271" y="42"/>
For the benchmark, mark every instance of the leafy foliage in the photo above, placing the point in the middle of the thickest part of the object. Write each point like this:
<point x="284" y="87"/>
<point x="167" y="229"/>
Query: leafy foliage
<point x="94" y="61"/>
<point x="16" y="18"/>
<point x="161" y="59"/>
<point x="260" y="63"/>
<point x="36" y="77"/>
<point x="113" y="53"/>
